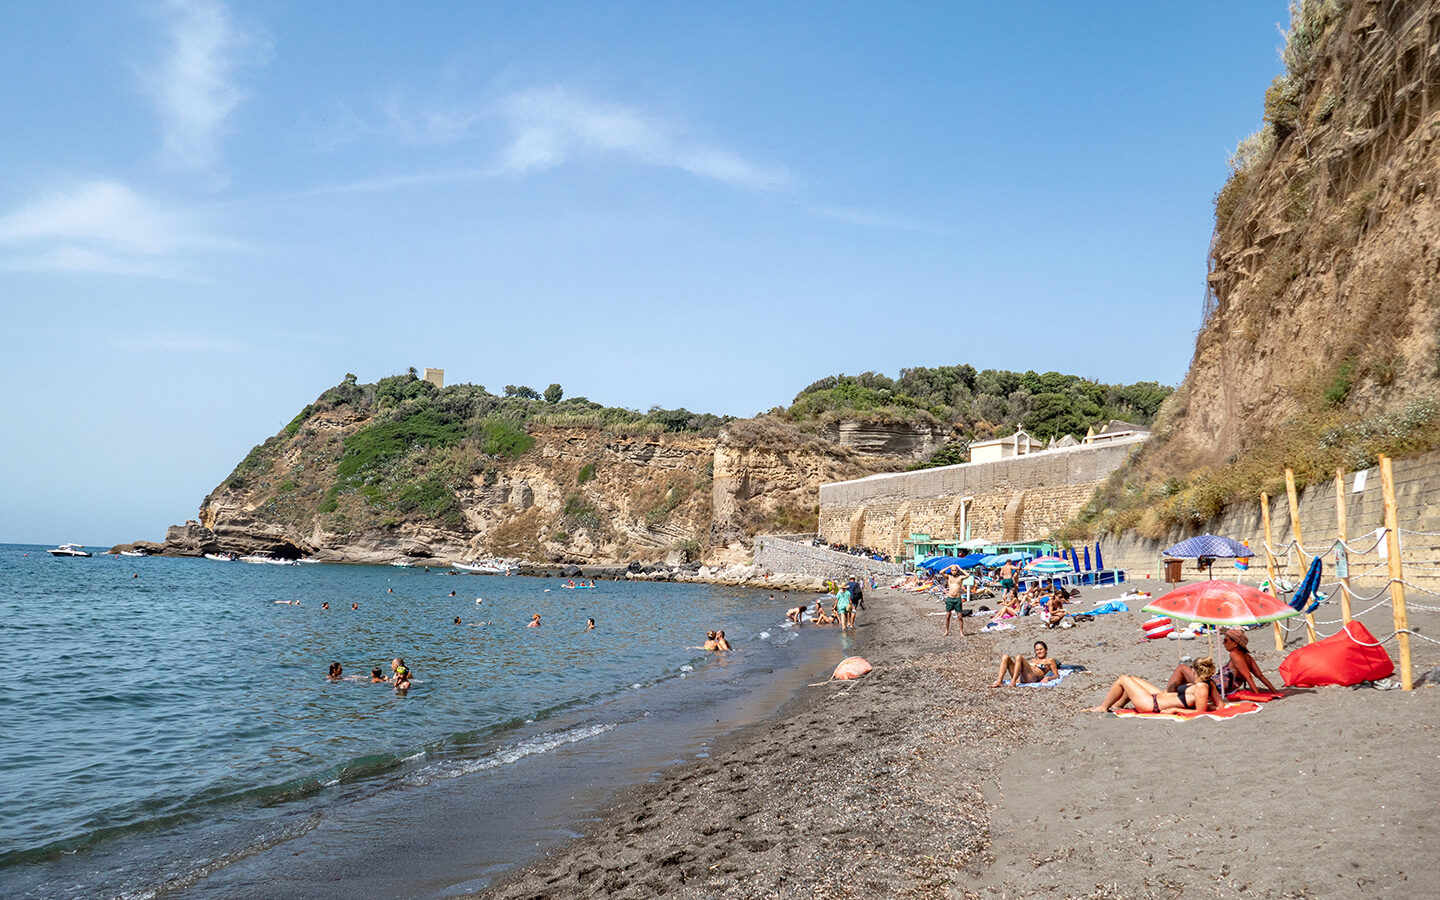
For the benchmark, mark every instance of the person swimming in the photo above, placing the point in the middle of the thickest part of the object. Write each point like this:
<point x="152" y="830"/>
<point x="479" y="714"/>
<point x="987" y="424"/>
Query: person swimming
<point x="377" y="676"/>
<point x="589" y="624"/>
<point x="534" y="621"/>
<point x="710" y="643"/>
<point x="325" y="605"/>
<point x="720" y="642"/>
<point x="354" y="606"/>
<point x="335" y="672"/>
<point x="457" y="620"/>
<point x="452" y="593"/>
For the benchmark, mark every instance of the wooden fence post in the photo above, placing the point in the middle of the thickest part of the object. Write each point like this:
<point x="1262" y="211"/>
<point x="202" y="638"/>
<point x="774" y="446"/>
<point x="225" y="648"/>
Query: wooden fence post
<point x="1341" y="533"/>
<point x="1270" y="568"/>
<point x="1397" y="572"/>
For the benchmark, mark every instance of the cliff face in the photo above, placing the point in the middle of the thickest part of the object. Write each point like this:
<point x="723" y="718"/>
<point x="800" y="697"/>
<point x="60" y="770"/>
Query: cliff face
<point x="576" y="495"/>
<point x="1325" y="265"/>
<point x="1320" y="347"/>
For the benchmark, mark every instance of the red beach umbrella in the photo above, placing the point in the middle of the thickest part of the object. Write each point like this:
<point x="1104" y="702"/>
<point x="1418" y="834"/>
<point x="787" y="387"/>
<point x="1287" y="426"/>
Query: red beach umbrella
<point x="1222" y="603"/>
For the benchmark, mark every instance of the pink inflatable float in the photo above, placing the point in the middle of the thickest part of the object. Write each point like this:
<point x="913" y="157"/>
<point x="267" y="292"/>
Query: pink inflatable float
<point x="852" y="667"/>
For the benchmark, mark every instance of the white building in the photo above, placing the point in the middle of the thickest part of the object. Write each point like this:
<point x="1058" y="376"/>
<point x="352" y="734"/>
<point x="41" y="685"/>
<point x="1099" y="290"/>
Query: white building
<point x="1017" y="444"/>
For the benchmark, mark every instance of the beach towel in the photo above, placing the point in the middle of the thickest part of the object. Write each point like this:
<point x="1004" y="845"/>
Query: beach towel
<point x="1257" y="696"/>
<point x="1185" y="715"/>
<point x="998" y="626"/>
<point x="1064" y="670"/>
<point x="1349" y="656"/>
<point x="1308" y="586"/>
<point x="1110" y="606"/>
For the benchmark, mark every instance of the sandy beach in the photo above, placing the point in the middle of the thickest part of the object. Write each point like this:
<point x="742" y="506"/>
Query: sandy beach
<point x="920" y="780"/>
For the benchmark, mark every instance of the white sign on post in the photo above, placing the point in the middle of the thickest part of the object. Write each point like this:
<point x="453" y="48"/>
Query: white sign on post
<point x="1382" y="545"/>
<point x="1359" y="481"/>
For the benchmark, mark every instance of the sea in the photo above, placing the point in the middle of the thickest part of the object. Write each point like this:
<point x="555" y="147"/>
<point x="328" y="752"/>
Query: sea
<point x="170" y="729"/>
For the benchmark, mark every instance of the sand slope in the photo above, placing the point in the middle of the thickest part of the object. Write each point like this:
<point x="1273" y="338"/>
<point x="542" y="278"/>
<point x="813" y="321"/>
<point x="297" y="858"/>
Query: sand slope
<point x="920" y="780"/>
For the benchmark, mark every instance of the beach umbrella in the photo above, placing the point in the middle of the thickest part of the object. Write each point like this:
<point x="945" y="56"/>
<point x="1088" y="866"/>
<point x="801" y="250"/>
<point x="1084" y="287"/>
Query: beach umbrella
<point x="1048" y="565"/>
<point x="1224" y="604"/>
<point x="1220" y="603"/>
<point x="1212" y="545"/>
<point x="936" y="563"/>
<point x="1099" y="563"/>
<point x="1087" y="557"/>
<point x="972" y="560"/>
<point x="1074" y="559"/>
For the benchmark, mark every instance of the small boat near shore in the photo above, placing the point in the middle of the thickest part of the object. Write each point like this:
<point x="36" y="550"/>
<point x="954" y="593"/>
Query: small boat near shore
<point x="70" y="550"/>
<point x="264" y="557"/>
<point x="133" y="553"/>
<point x="222" y="557"/>
<point x="485" y="567"/>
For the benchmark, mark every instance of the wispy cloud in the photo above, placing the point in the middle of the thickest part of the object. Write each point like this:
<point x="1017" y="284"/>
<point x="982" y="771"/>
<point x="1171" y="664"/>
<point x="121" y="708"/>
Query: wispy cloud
<point x="195" y="88"/>
<point x="551" y="126"/>
<point x="102" y="226"/>
<point x="544" y="128"/>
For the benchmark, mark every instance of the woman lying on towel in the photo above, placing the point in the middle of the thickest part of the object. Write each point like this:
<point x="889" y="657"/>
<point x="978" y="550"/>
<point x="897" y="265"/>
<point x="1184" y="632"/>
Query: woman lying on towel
<point x="1199" y="695"/>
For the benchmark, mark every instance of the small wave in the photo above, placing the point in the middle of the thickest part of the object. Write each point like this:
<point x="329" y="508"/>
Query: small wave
<point x="540" y="744"/>
<point x="764" y="635"/>
<point x="687" y="668"/>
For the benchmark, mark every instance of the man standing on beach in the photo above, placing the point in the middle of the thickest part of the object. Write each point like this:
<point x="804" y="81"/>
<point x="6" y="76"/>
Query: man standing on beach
<point x="954" y="581"/>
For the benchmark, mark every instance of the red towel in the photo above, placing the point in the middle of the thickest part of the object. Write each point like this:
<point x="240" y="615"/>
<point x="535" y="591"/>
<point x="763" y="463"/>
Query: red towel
<point x="1185" y="715"/>
<point x="1258" y="696"/>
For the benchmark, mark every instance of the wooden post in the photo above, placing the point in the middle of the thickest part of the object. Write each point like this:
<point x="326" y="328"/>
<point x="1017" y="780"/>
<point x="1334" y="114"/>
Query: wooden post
<point x="1299" y="541"/>
<point x="1342" y="537"/>
<point x="1270" y="568"/>
<point x="1397" y="572"/>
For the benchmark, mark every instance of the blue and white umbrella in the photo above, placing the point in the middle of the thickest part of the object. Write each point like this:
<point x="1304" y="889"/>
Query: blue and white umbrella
<point x="1211" y="545"/>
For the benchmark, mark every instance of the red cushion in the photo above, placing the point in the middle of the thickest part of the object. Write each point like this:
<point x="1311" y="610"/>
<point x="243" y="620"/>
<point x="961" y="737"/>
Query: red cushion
<point x="1349" y="656"/>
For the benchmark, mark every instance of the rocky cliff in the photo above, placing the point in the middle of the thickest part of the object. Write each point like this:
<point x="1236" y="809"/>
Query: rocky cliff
<point x="371" y="473"/>
<point x="1321" y="338"/>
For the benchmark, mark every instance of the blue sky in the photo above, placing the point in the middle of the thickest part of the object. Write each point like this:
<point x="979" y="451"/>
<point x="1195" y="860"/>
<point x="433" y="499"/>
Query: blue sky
<point x="210" y="213"/>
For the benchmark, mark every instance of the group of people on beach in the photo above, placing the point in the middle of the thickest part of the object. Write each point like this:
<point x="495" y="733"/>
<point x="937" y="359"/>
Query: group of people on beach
<point x="399" y="677"/>
<point x="847" y="599"/>
<point x="1199" y="686"/>
<point x="1047" y="600"/>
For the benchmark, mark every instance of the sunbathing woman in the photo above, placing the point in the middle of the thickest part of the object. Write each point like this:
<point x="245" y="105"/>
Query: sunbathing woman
<point x="1041" y="667"/>
<point x="1146" y="697"/>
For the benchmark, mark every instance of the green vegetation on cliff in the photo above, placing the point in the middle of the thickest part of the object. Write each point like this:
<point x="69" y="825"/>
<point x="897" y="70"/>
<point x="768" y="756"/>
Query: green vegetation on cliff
<point x="978" y="404"/>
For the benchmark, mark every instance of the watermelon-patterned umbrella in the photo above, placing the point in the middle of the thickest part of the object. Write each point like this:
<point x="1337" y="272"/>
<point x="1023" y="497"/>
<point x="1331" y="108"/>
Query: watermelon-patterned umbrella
<point x="1220" y="603"/>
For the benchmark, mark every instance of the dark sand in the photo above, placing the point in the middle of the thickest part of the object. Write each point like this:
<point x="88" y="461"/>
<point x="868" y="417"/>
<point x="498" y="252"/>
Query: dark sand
<point x="922" y="781"/>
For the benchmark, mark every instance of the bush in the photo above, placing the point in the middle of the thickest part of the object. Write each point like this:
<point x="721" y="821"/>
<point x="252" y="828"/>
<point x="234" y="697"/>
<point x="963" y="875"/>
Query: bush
<point x="587" y="472"/>
<point x="501" y="437"/>
<point x="378" y="442"/>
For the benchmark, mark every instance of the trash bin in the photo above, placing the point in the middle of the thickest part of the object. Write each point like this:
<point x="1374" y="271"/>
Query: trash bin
<point x="1172" y="570"/>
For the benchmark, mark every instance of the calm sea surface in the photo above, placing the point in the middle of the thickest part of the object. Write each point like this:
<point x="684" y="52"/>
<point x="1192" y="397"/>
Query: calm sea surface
<point x="164" y="703"/>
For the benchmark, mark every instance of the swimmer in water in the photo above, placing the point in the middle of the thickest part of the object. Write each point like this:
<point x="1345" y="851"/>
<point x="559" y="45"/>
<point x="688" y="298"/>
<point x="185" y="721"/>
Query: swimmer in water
<point x="534" y="621"/>
<point x="397" y="666"/>
<point x="710" y="643"/>
<point x="402" y="681"/>
<point x="325" y="605"/>
<point x="354" y="606"/>
<point x="589" y="624"/>
<point x="452" y="593"/>
<point x="720" y="642"/>
<point x="377" y="677"/>
<point x="335" y="672"/>
<point x="391" y="590"/>
<point x="457" y="620"/>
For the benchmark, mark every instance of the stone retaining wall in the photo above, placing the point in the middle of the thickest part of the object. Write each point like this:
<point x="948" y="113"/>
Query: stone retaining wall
<point x="1417" y="497"/>
<point x="798" y="557"/>
<point x="1011" y="499"/>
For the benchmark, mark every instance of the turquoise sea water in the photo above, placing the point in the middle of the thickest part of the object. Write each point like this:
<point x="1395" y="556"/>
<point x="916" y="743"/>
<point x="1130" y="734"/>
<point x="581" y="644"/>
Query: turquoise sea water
<point x="186" y="699"/>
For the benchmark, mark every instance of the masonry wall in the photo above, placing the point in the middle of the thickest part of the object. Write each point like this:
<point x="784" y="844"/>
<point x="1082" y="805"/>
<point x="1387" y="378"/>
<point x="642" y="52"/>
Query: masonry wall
<point x="1032" y="495"/>
<point x="797" y="557"/>
<point x="1417" y="497"/>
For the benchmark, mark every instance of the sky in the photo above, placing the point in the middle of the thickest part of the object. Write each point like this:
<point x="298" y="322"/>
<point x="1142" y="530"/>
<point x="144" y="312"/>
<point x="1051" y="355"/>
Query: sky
<point x="212" y="212"/>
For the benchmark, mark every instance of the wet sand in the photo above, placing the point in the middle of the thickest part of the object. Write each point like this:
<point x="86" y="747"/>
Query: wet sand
<point x="920" y="780"/>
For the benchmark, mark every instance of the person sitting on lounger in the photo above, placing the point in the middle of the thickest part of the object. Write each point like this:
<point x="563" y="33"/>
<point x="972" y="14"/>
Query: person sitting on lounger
<point x="1040" y="667"/>
<point x="1145" y="697"/>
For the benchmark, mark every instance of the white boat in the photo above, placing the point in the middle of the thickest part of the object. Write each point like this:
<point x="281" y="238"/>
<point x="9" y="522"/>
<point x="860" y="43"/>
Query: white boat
<point x="133" y="553"/>
<point x="221" y="557"/>
<point x="485" y="567"/>
<point x="402" y="564"/>
<point x="266" y="558"/>
<point x="70" y="550"/>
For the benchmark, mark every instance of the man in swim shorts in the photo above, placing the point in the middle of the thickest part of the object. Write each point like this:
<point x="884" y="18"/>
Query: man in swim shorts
<point x="954" y="581"/>
<point x="1007" y="577"/>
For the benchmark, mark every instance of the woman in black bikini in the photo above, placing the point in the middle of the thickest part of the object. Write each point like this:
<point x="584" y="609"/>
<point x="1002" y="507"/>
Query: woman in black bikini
<point x="1199" y="695"/>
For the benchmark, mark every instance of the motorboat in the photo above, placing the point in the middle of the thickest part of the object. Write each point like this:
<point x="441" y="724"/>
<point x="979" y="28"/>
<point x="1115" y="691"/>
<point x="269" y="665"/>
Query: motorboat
<point x="265" y="557"/>
<point x="70" y="550"/>
<point x="402" y="563"/>
<point x="485" y="567"/>
<point x="133" y="553"/>
<point x="221" y="557"/>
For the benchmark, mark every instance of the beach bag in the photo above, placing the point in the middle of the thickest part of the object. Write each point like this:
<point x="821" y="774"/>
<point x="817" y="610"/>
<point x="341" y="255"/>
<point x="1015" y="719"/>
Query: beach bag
<point x="1347" y="657"/>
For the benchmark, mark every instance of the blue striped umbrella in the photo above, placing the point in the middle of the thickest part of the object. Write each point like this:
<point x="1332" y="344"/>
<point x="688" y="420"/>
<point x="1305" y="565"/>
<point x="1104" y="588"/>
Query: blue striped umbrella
<point x="1049" y="565"/>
